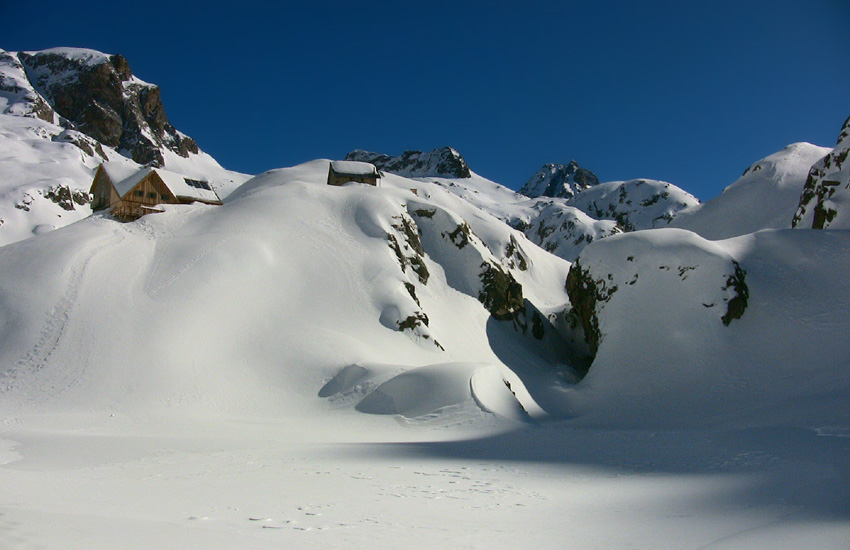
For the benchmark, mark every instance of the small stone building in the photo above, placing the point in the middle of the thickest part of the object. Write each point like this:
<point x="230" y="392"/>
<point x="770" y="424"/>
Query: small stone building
<point x="130" y="193"/>
<point x="344" y="171"/>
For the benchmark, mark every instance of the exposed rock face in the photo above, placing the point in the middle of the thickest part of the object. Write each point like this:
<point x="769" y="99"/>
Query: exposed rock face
<point x="558" y="180"/>
<point x="825" y="201"/>
<point x="445" y="162"/>
<point x="500" y="293"/>
<point x="98" y="95"/>
<point x="68" y="198"/>
<point x="585" y="293"/>
<point x="469" y="265"/>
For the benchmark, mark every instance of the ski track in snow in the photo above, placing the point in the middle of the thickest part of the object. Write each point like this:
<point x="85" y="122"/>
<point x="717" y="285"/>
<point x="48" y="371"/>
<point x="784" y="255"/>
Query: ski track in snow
<point x="41" y="387"/>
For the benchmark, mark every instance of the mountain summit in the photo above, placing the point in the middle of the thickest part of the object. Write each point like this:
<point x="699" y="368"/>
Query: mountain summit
<point x="558" y="180"/>
<point x="96" y="94"/>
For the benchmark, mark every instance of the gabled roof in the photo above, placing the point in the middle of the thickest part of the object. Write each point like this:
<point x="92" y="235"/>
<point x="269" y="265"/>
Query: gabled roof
<point x="353" y="168"/>
<point x="118" y="170"/>
<point x="179" y="185"/>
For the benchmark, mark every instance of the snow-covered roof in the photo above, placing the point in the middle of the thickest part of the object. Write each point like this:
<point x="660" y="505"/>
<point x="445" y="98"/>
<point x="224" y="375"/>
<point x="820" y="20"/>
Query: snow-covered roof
<point x="118" y="170"/>
<point x="182" y="186"/>
<point x="353" y="168"/>
<point x="178" y="184"/>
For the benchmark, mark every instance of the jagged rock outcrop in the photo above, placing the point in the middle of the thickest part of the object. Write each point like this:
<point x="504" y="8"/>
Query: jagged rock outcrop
<point x="558" y="180"/>
<point x="98" y="95"/>
<point x="445" y="162"/>
<point x="825" y="201"/>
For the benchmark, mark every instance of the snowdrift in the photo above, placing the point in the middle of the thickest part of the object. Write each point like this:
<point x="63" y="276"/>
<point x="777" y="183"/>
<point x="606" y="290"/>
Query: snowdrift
<point x="690" y="330"/>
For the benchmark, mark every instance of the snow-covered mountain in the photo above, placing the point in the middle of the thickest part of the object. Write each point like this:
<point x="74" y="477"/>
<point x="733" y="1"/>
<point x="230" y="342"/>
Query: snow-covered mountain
<point x="558" y="180"/>
<point x="445" y="162"/>
<point x="63" y="111"/>
<point x="825" y="200"/>
<point x="584" y="211"/>
<point x="275" y="370"/>
<point x="635" y="204"/>
<point x="764" y="197"/>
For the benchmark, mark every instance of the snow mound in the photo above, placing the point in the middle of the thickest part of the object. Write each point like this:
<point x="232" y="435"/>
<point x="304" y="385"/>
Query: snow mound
<point x="690" y="330"/>
<point x="429" y="390"/>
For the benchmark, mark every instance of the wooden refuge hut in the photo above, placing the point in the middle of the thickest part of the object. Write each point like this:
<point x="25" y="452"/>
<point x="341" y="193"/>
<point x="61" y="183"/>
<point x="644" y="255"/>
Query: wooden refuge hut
<point x="130" y="193"/>
<point x="344" y="171"/>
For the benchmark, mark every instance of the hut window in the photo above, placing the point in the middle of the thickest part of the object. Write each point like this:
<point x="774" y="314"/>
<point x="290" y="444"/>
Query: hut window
<point x="163" y="198"/>
<point x="140" y="193"/>
<point x="151" y="195"/>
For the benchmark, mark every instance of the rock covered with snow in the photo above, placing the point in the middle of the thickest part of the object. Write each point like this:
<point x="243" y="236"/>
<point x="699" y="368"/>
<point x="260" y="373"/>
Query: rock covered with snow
<point x="558" y="180"/>
<point x="634" y="204"/>
<point x="565" y="230"/>
<point x="766" y="196"/>
<point x="445" y="162"/>
<point x="696" y="327"/>
<point x="825" y="200"/>
<point x="693" y="275"/>
<point x="63" y="112"/>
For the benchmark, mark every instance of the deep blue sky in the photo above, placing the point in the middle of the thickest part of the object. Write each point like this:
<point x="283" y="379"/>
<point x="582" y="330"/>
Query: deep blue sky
<point x="688" y="92"/>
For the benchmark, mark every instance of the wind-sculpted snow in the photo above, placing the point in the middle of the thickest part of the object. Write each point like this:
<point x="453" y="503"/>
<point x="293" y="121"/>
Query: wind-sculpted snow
<point x="764" y="197"/>
<point x="427" y="393"/>
<point x="288" y="281"/>
<point x="699" y="327"/>
<point x="249" y="376"/>
<point x="825" y="200"/>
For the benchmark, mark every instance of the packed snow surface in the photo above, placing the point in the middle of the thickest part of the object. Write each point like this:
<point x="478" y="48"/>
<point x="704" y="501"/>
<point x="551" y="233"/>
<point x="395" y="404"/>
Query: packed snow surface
<point x="260" y="374"/>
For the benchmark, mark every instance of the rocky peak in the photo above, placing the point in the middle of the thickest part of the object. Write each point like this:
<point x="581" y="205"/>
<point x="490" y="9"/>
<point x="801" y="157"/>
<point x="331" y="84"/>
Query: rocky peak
<point x="445" y="162"/>
<point x="98" y="95"/>
<point x="825" y="200"/>
<point x="558" y="180"/>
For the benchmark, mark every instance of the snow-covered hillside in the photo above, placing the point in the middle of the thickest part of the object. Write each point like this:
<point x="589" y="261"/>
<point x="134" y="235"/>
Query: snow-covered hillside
<point x="311" y="366"/>
<point x="290" y="271"/>
<point x="320" y="366"/>
<point x="764" y="197"/>
<point x="64" y="111"/>
<point x="751" y="326"/>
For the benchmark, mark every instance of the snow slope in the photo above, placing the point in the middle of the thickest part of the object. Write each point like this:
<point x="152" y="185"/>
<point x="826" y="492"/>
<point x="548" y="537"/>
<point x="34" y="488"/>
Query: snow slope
<point x="752" y="328"/>
<point x="262" y="374"/>
<point x="764" y="197"/>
